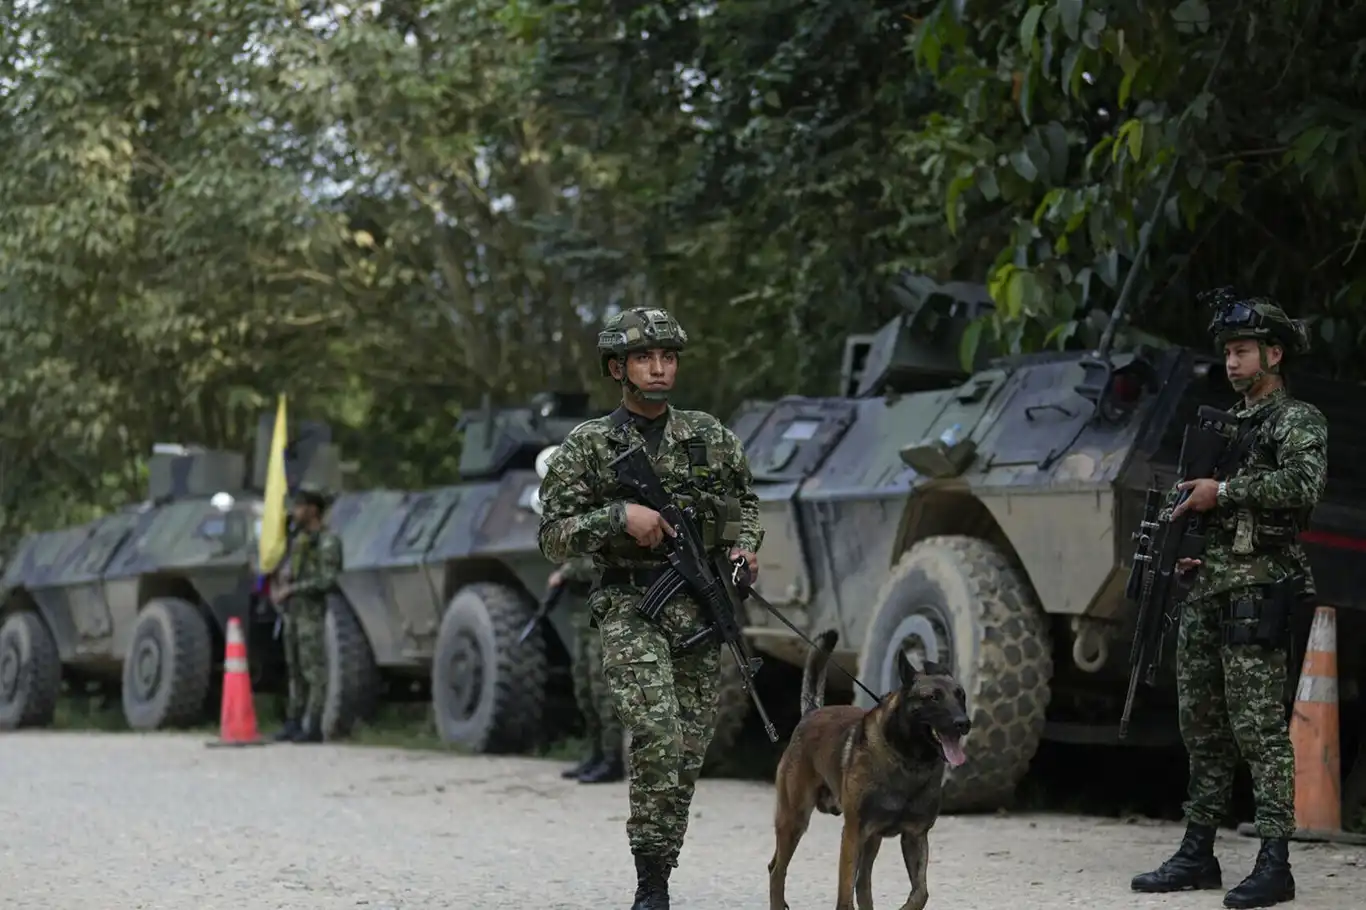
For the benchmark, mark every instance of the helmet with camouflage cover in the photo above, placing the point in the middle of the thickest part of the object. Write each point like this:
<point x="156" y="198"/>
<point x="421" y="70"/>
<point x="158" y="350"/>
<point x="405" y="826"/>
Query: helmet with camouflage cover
<point x="313" y="494"/>
<point x="1258" y="319"/>
<point x="639" y="329"/>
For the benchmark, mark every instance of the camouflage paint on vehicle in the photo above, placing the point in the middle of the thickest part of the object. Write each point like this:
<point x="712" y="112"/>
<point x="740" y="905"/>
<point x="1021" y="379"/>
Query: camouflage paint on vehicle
<point x="984" y="520"/>
<point x="140" y="598"/>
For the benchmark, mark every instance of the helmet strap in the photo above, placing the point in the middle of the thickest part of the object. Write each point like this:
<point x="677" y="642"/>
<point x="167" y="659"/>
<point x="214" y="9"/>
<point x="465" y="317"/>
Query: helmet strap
<point x="630" y="388"/>
<point x="1243" y="386"/>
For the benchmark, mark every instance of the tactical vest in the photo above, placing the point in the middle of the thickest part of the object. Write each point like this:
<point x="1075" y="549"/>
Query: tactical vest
<point x="1261" y="530"/>
<point x="703" y="494"/>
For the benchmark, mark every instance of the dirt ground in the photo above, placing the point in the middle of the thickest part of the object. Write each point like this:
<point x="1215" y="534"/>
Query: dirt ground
<point x="163" y="823"/>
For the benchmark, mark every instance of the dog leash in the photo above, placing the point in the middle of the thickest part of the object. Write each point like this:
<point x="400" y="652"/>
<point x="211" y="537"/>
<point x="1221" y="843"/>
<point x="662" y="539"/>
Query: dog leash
<point x="740" y="578"/>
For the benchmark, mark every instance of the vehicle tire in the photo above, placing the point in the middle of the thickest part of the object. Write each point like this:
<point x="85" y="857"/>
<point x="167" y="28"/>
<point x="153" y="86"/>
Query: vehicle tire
<point x="732" y="710"/>
<point x="960" y="602"/>
<point x="166" y="671"/>
<point x="352" y="679"/>
<point x="488" y="692"/>
<point x="30" y="672"/>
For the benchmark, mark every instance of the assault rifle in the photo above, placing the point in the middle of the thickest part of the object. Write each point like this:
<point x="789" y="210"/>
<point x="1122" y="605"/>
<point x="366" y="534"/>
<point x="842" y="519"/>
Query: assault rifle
<point x="1212" y="447"/>
<point x="548" y="604"/>
<point x="712" y="581"/>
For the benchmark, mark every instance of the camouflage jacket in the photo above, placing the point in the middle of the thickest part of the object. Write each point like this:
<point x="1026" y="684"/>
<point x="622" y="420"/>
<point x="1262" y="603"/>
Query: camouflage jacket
<point x="585" y="507"/>
<point x="1252" y="533"/>
<point x="315" y="560"/>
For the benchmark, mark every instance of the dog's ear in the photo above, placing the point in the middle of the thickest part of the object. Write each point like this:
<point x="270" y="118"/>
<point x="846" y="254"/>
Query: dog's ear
<point x="905" y="670"/>
<point x="935" y="669"/>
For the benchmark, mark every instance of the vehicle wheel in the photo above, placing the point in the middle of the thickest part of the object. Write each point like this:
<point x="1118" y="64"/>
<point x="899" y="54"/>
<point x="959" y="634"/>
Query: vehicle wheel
<point x="352" y="680"/>
<point x="959" y="602"/>
<point x="30" y="672"/>
<point x="488" y="692"/>
<point x="732" y="710"/>
<point x="166" y="671"/>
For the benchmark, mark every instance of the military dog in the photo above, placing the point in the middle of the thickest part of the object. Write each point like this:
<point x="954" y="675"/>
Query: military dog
<point x="882" y="768"/>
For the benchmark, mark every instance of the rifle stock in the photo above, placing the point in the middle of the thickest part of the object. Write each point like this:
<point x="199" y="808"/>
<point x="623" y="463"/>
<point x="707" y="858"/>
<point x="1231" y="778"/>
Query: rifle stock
<point x="711" y="580"/>
<point x="1155" y="587"/>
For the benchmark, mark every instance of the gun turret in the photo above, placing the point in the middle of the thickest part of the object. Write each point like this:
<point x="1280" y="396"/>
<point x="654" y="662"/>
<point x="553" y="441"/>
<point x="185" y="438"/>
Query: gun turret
<point x="310" y="454"/>
<point x="919" y="349"/>
<point x="497" y="440"/>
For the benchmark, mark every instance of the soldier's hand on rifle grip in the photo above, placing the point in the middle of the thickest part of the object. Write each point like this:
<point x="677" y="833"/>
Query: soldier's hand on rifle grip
<point x="751" y="565"/>
<point x="1188" y="565"/>
<point x="646" y="525"/>
<point x="556" y="579"/>
<point x="1204" y="495"/>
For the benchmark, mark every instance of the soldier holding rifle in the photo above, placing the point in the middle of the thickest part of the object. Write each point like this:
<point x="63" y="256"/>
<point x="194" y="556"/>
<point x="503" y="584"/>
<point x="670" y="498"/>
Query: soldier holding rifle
<point x="666" y="699"/>
<point x="1234" y="627"/>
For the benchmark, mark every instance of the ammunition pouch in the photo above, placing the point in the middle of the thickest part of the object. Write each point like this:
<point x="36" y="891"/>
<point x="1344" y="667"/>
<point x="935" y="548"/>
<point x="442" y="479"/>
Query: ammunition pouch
<point x="1273" y="537"/>
<point x="718" y="519"/>
<point x="1262" y="615"/>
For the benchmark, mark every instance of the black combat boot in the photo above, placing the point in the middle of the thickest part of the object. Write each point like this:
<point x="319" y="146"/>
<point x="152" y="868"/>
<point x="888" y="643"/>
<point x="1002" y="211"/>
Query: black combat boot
<point x="594" y="758"/>
<point x="289" y="731"/>
<point x="312" y="729"/>
<point x="1192" y="868"/>
<point x="608" y="771"/>
<point x="652" y="883"/>
<point x="1270" y="882"/>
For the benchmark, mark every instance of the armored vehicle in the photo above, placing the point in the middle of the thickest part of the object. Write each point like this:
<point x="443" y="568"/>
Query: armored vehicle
<point x="984" y="521"/>
<point x="139" y="599"/>
<point x="442" y="582"/>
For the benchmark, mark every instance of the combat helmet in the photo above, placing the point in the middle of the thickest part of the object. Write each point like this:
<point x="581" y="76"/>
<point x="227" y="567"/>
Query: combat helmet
<point x="639" y="329"/>
<point x="1257" y="318"/>
<point x="314" y="494"/>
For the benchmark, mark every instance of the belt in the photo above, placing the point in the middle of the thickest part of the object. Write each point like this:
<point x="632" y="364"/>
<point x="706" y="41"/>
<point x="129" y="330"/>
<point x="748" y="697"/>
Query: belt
<point x="631" y="578"/>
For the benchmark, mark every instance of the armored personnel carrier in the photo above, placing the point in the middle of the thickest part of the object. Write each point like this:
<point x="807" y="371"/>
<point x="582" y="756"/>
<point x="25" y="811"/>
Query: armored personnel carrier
<point x="442" y="581"/>
<point x="984" y="521"/>
<point x="139" y="599"/>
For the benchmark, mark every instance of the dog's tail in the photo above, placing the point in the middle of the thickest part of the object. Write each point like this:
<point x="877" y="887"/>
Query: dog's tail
<point x="817" y="664"/>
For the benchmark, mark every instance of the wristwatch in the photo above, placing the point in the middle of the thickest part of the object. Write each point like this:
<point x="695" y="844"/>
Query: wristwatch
<point x="1222" y="496"/>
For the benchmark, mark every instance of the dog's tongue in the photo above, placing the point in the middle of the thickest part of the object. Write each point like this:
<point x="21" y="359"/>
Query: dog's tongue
<point x="953" y="750"/>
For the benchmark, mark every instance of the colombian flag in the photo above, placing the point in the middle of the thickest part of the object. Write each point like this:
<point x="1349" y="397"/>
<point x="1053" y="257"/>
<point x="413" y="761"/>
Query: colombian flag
<point x="273" y="519"/>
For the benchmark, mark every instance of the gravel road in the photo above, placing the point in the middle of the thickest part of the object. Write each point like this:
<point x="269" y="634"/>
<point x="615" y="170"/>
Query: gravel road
<point x="108" y="822"/>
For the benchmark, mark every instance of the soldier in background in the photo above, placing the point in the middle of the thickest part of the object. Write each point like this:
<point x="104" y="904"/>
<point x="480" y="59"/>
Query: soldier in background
<point x="604" y="763"/>
<point x="314" y="560"/>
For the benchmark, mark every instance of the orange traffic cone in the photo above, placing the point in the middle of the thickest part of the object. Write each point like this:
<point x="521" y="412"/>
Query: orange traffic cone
<point x="1314" y="735"/>
<point x="237" y="720"/>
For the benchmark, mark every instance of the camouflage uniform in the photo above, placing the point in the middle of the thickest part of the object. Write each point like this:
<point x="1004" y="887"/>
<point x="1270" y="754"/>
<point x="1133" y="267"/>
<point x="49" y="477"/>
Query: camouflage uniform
<point x="667" y="701"/>
<point x="1233" y="633"/>
<point x="315" y="560"/>
<point x="591" y="693"/>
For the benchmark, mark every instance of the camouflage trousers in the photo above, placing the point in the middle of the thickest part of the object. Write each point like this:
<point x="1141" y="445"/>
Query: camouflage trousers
<point x="667" y="703"/>
<point x="591" y="692"/>
<point x="305" y="658"/>
<point x="1231" y="701"/>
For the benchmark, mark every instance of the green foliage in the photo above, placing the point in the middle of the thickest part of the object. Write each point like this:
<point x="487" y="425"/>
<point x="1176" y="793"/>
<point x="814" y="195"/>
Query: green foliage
<point x="1079" y="110"/>
<point x="390" y="211"/>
